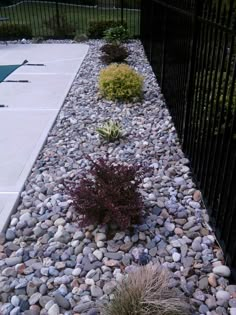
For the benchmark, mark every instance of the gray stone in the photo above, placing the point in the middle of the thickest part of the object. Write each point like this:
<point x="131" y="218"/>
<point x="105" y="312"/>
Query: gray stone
<point x="9" y="272"/>
<point x="10" y="235"/>
<point x="62" y="236"/>
<point x="54" y="310"/>
<point x="196" y="244"/>
<point x="188" y="262"/>
<point x="100" y="237"/>
<point x="12" y="261"/>
<point x="6" y="308"/>
<point x="49" y="304"/>
<point x="203" y="309"/>
<point x="34" y="298"/>
<point x="153" y="251"/>
<point x="176" y="257"/>
<point x="169" y="226"/>
<point x="109" y="287"/>
<point x="222" y="295"/>
<point x="232" y="302"/>
<point x="179" y="181"/>
<point x="62" y="302"/>
<point x="44" y="300"/>
<point x="15" y="311"/>
<point x="199" y="295"/>
<point x="83" y="307"/>
<point x="231" y="288"/>
<point x="119" y="236"/>
<point x="151" y="245"/>
<point x="98" y="254"/>
<point x="15" y="301"/>
<point x="25" y="217"/>
<point x="203" y="283"/>
<point x="223" y="271"/>
<point x="96" y="291"/>
<point x="93" y="311"/>
<point x="116" y="256"/>
<point x="211" y="303"/>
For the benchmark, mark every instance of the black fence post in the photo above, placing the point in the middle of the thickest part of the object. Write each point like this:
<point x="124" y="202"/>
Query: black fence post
<point x="57" y="15"/>
<point x="191" y="75"/>
<point x="122" y="11"/>
<point x="163" y="62"/>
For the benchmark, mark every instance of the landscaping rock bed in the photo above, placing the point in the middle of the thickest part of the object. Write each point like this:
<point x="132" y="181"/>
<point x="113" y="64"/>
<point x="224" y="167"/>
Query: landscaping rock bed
<point x="51" y="265"/>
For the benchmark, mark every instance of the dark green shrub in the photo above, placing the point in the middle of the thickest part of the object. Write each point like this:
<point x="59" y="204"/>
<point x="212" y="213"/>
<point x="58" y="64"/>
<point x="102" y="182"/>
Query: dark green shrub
<point x="116" y="34"/>
<point x="96" y="29"/>
<point x="15" y="31"/>
<point x="60" y="27"/>
<point x="113" y="53"/>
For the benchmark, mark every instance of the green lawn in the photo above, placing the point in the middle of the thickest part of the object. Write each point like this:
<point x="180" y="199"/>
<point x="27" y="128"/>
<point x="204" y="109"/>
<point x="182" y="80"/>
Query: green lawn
<point x="35" y="14"/>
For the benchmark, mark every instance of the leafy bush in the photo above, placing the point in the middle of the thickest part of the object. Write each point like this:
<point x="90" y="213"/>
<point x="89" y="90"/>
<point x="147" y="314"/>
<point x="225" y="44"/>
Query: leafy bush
<point x="59" y="26"/>
<point x="116" y="34"/>
<point x="108" y="194"/>
<point x="120" y="82"/>
<point x="145" y="292"/>
<point x="96" y="29"/>
<point x="110" y="131"/>
<point x="113" y="53"/>
<point x="15" y="31"/>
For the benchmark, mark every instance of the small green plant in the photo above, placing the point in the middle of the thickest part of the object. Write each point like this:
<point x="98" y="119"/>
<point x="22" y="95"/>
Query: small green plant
<point x="145" y="291"/>
<point x="15" y="31"/>
<point x="113" y="53"/>
<point x="60" y="27"/>
<point x="120" y="82"/>
<point x="96" y="29"/>
<point x="116" y="34"/>
<point x="110" y="131"/>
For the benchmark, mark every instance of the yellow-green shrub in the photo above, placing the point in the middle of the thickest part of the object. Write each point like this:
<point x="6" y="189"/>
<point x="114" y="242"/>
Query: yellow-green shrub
<point x="120" y="82"/>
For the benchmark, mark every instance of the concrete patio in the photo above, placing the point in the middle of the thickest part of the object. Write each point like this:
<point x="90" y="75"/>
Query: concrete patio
<point x="31" y="110"/>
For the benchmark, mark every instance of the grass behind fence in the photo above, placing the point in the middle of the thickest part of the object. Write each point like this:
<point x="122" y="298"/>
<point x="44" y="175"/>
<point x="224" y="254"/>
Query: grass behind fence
<point x="35" y="14"/>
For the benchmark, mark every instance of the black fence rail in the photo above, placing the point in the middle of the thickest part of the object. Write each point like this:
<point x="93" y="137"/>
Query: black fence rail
<point x="71" y="17"/>
<point x="192" y="48"/>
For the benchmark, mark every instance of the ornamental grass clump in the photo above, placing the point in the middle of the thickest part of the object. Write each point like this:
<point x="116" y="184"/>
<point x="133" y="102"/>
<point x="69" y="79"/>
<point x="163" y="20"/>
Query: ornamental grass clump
<point x="145" y="291"/>
<point x="120" y="82"/>
<point x="110" y="131"/>
<point x="108" y="194"/>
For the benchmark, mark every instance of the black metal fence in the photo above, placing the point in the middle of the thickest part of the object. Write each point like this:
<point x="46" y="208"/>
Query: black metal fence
<point x="71" y="16"/>
<point x="192" y="48"/>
